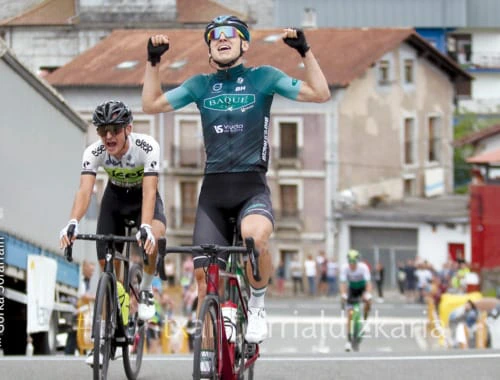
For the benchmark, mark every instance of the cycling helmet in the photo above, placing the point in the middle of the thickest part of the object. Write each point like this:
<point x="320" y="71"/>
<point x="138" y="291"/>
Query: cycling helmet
<point x="112" y="113"/>
<point x="353" y="256"/>
<point x="228" y="21"/>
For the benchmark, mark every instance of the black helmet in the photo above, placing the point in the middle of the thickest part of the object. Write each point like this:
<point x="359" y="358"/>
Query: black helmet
<point x="112" y="113"/>
<point x="228" y="21"/>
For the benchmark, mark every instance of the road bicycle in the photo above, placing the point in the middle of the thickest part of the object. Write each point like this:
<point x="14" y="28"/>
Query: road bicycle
<point x="215" y="356"/>
<point x="108" y="328"/>
<point x="356" y="327"/>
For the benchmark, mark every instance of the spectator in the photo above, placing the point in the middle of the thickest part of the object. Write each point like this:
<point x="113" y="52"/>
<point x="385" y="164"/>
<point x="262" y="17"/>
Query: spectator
<point x="379" y="280"/>
<point x="85" y="296"/>
<point x="466" y="326"/>
<point x="401" y="275"/>
<point x="424" y="279"/>
<point x="170" y="272"/>
<point x="296" y="272"/>
<point x="280" y="278"/>
<point x="321" y="262"/>
<point x="411" y="280"/>
<point x="187" y="273"/>
<point x="310" y="269"/>
<point x="331" y="277"/>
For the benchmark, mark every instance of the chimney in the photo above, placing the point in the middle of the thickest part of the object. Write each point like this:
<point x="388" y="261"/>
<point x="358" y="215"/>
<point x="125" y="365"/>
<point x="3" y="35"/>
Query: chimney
<point x="309" y="18"/>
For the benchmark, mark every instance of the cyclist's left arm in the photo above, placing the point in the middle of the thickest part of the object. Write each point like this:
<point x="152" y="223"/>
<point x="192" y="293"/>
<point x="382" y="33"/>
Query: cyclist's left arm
<point x="315" y="87"/>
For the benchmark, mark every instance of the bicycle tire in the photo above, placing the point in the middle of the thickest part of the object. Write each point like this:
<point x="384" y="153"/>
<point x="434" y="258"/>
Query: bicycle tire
<point x="105" y="309"/>
<point x="207" y="338"/>
<point x="133" y="353"/>
<point x="356" y="333"/>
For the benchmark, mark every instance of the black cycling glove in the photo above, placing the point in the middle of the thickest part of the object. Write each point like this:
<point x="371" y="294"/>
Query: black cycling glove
<point x="155" y="52"/>
<point x="299" y="43"/>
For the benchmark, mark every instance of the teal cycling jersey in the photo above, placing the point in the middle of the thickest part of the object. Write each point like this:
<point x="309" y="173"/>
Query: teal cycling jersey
<point x="235" y="109"/>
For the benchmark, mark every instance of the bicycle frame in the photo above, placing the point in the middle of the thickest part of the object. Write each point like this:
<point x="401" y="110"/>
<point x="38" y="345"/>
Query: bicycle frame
<point x="356" y="328"/>
<point x="226" y="354"/>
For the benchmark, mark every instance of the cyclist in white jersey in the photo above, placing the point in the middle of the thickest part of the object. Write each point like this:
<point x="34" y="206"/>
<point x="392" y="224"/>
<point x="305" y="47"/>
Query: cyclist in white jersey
<point x="355" y="283"/>
<point x="131" y="161"/>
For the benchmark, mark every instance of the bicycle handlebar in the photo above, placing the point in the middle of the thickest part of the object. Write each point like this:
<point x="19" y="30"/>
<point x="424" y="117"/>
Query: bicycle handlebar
<point x="68" y="251"/>
<point x="214" y="249"/>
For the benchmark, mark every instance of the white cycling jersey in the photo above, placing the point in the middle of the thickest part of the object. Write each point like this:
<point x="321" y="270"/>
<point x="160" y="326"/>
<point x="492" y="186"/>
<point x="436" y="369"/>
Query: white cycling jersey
<point x="142" y="158"/>
<point x="356" y="278"/>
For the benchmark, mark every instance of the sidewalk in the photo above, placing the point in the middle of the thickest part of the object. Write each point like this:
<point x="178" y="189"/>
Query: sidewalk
<point x="391" y="296"/>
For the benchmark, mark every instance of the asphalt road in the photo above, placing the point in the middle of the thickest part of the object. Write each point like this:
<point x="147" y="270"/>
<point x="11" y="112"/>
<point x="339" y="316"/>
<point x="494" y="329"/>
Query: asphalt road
<point x="307" y="341"/>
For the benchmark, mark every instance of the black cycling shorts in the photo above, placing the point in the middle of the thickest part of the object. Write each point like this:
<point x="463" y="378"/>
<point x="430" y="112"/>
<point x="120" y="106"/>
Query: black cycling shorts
<point x="224" y="196"/>
<point x="354" y="295"/>
<point x="117" y="205"/>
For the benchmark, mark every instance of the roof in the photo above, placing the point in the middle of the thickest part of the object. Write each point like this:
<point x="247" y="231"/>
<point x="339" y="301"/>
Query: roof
<point x="63" y="12"/>
<point x="442" y="209"/>
<point x="48" y="12"/>
<point x="477" y="136"/>
<point x="340" y="62"/>
<point x="200" y="12"/>
<point x="39" y="85"/>
<point x="489" y="157"/>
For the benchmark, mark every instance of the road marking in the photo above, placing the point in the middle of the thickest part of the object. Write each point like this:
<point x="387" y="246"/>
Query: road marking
<point x="279" y="358"/>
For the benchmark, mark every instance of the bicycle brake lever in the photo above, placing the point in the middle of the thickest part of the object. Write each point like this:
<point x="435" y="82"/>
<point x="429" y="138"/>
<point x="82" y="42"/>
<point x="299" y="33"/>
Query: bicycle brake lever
<point x="144" y="236"/>
<point x="254" y="258"/>
<point x="68" y="251"/>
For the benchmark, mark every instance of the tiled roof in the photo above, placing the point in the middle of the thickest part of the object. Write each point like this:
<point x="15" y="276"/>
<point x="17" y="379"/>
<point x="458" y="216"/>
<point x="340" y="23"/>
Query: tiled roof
<point x="344" y="54"/>
<point x="200" y="12"/>
<point x="48" y="12"/>
<point x="475" y="137"/>
<point x="489" y="157"/>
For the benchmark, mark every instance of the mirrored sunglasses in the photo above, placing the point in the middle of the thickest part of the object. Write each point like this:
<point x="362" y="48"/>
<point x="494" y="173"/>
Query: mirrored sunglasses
<point x="228" y="31"/>
<point x="113" y="129"/>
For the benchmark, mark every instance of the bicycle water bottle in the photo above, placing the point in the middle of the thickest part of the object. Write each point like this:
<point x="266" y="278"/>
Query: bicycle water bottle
<point x="229" y="310"/>
<point x="124" y="299"/>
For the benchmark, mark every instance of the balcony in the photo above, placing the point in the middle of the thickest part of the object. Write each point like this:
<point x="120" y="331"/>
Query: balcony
<point x="287" y="220"/>
<point x="188" y="157"/>
<point x="287" y="158"/>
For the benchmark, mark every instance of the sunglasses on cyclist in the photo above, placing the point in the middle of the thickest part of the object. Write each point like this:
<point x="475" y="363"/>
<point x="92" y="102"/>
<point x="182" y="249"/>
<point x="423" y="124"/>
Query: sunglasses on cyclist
<point x="113" y="129"/>
<point x="228" y="31"/>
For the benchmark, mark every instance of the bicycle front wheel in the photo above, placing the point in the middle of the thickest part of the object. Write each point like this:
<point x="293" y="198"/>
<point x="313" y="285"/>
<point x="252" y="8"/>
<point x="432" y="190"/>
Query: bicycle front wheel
<point x="132" y="354"/>
<point x="206" y="342"/>
<point x="103" y="332"/>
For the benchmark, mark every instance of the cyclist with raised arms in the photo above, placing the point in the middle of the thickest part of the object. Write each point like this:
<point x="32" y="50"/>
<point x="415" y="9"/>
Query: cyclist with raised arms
<point x="131" y="161"/>
<point x="355" y="283"/>
<point x="235" y="104"/>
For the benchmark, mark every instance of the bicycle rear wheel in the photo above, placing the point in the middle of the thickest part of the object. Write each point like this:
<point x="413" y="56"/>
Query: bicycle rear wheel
<point x="206" y="342"/>
<point x="103" y="331"/>
<point x="132" y="354"/>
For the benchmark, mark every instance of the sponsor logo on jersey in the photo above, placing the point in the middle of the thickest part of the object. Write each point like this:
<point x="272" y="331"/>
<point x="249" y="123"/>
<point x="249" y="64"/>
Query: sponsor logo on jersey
<point x="86" y="164"/>
<point x="125" y="177"/>
<point x="153" y="164"/>
<point x="240" y="88"/>
<point x="265" y="146"/>
<point x="225" y="128"/>
<point x="99" y="150"/>
<point x="294" y="82"/>
<point x="111" y="161"/>
<point x="217" y="87"/>
<point x="229" y="102"/>
<point x="239" y="80"/>
<point x="144" y="145"/>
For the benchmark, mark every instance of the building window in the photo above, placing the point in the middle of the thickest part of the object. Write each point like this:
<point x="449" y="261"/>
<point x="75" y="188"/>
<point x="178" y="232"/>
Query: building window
<point x="409" y="141"/>
<point x="189" y="197"/>
<point x="384" y="73"/>
<point x="434" y="130"/>
<point x="408" y="72"/>
<point x="289" y="201"/>
<point x="288" y="141"/>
